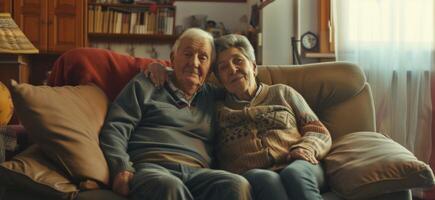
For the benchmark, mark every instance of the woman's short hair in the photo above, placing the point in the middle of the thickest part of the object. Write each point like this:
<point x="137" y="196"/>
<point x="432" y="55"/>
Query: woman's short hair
<point x="196" y="33"/>
<point x="233" y="41"/>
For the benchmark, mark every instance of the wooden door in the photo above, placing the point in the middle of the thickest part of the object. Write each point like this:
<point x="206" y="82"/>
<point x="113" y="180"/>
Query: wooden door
<point x="6" y="6"/>
<point x="31" y="17"/>
<point x="66" y="24"/>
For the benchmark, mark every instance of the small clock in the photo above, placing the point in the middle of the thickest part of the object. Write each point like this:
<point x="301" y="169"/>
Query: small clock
<point x="309" y="41"/>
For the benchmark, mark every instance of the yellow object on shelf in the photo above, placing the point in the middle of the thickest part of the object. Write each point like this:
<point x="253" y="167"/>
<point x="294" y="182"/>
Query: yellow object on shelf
<point x="6" y="106"/>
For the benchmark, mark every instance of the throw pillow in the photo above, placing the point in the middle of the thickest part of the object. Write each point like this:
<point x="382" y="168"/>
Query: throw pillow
<point x="65" y="123"/>
<point x="31" y="171"/>
<point x="362" y="165"/>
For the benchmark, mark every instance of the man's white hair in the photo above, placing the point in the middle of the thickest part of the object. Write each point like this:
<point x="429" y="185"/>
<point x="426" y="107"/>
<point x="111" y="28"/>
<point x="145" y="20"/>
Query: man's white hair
<point x="196" y="33"/>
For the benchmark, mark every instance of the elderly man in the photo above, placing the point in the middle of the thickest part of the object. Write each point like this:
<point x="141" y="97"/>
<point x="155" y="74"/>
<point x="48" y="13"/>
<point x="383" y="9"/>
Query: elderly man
<point x="158" y="142"/>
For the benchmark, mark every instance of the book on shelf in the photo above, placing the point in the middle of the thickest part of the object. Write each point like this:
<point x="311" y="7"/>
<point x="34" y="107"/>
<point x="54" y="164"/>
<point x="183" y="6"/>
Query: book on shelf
<point x="131" y="20"/>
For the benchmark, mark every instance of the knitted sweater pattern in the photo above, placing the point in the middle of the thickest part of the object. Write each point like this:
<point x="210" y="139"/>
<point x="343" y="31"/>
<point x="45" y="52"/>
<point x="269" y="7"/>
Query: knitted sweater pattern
<point x="261" y="134"/>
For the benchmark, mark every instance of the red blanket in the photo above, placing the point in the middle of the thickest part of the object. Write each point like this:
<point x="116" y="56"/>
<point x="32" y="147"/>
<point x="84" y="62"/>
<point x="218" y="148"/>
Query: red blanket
<point x="107" y="69"/>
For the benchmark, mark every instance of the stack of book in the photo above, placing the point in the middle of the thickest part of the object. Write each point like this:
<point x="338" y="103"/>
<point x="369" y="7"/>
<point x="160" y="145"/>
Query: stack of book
<point x="134" y="20"/>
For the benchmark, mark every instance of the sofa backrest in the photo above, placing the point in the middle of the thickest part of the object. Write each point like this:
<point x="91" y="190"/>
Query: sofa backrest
<point x="337" y="92"/>
<point x="107" y="69"/>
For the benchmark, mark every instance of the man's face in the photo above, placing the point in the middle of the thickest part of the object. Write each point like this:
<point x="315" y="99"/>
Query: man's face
<point x="191" y="63"/>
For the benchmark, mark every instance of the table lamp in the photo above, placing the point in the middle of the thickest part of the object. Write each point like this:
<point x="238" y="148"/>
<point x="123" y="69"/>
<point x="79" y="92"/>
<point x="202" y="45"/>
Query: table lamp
<point x="14" y="48"/>
<point x="12" y="39"/>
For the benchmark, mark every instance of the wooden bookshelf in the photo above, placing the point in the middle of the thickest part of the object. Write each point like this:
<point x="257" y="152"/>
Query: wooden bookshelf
<point x="135" y="5"/>
<point x="135" y="22"/>
<point x="132" y="37"/>
<point x="319" y="55"/>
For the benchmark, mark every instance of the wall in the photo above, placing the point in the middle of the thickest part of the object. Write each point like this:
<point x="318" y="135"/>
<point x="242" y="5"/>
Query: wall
<point x="308" y="14"/>
<point x="281" y="20"/>
<point x="228" y="13"/>
<point x="278" y="25"/>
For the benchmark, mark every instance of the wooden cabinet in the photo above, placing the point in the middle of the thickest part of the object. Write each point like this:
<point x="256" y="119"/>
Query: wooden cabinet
<point x="53" y="26"/>
<point x="6" y="6"/>
<point x="14" y="67"/>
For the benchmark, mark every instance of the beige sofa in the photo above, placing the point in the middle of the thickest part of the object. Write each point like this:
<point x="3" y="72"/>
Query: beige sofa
<point x="337" y="92"/>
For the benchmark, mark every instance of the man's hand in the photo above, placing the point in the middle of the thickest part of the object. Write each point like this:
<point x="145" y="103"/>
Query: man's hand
<point x="157" y="73"/>
<point x="120" y="183"/>
<point x="302" y="154"/>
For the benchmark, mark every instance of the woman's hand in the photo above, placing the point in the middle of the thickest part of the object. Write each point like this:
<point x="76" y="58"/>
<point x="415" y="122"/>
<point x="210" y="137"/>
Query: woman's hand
<point x="157" y="73"/>
<point x="121" y="181"/>
<point x="302" y="154"/>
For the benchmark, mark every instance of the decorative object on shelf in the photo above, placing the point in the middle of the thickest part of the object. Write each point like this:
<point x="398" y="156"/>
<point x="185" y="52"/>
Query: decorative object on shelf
<point x="153" y="52"/>
<point x="216" y="32"/>
<point x="210" y="24"/>
<point x="12" y="39"/>
<point x="244" y="25"/>
<point x="6" y="106"/>
<point x="131" y="49"/>
<point x="255" y="16"/>
<point x="221" y="26"/>
<point x="211" y="28"/>
<point x="198" y="21"/>
<point x="179" y="29"/>
<point x="309" y="41"/>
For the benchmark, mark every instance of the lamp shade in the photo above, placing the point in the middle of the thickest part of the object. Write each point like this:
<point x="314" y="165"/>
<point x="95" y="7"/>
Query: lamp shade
<point x="6" y="106"/>
<point x="12" y="39"/>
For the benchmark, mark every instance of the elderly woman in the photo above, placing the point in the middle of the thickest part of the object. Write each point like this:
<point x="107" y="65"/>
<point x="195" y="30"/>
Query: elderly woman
<point x="268" y="134"/>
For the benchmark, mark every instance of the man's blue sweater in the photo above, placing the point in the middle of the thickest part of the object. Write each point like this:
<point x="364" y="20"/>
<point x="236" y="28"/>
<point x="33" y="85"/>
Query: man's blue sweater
<point x="144" y="120"/>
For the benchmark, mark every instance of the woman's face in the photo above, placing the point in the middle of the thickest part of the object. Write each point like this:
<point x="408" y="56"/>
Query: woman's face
<point x="236" y="72"/>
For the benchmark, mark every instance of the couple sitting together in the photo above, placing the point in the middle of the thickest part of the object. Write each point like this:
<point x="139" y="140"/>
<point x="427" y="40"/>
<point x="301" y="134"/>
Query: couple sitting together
<point x="187" y="139"/>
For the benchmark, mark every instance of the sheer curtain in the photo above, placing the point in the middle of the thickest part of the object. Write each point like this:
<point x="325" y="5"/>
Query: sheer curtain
<point x="393" y="42"/>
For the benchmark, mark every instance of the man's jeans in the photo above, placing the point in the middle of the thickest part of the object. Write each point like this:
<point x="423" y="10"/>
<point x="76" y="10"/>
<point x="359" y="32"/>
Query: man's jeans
<point x="299" y="180"/>
<point x="179" y="182"/>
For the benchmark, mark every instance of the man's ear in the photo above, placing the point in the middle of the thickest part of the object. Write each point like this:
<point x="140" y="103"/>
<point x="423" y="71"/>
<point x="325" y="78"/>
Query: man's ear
<point x="255" y="69"/>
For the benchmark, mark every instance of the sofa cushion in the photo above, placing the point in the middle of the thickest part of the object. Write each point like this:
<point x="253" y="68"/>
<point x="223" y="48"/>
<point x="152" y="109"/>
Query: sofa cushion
<point x="65" y="123"/>
<point x="31" y="171"/>
<point x="362" y="165"/>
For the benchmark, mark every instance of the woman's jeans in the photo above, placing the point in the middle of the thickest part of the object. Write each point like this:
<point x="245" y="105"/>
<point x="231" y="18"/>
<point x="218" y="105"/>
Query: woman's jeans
<point x="299" y="180"/>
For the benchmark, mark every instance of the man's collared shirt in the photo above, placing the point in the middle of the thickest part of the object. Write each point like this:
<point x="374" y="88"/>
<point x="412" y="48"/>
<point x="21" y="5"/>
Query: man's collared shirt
<point x="181" y="96"/>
